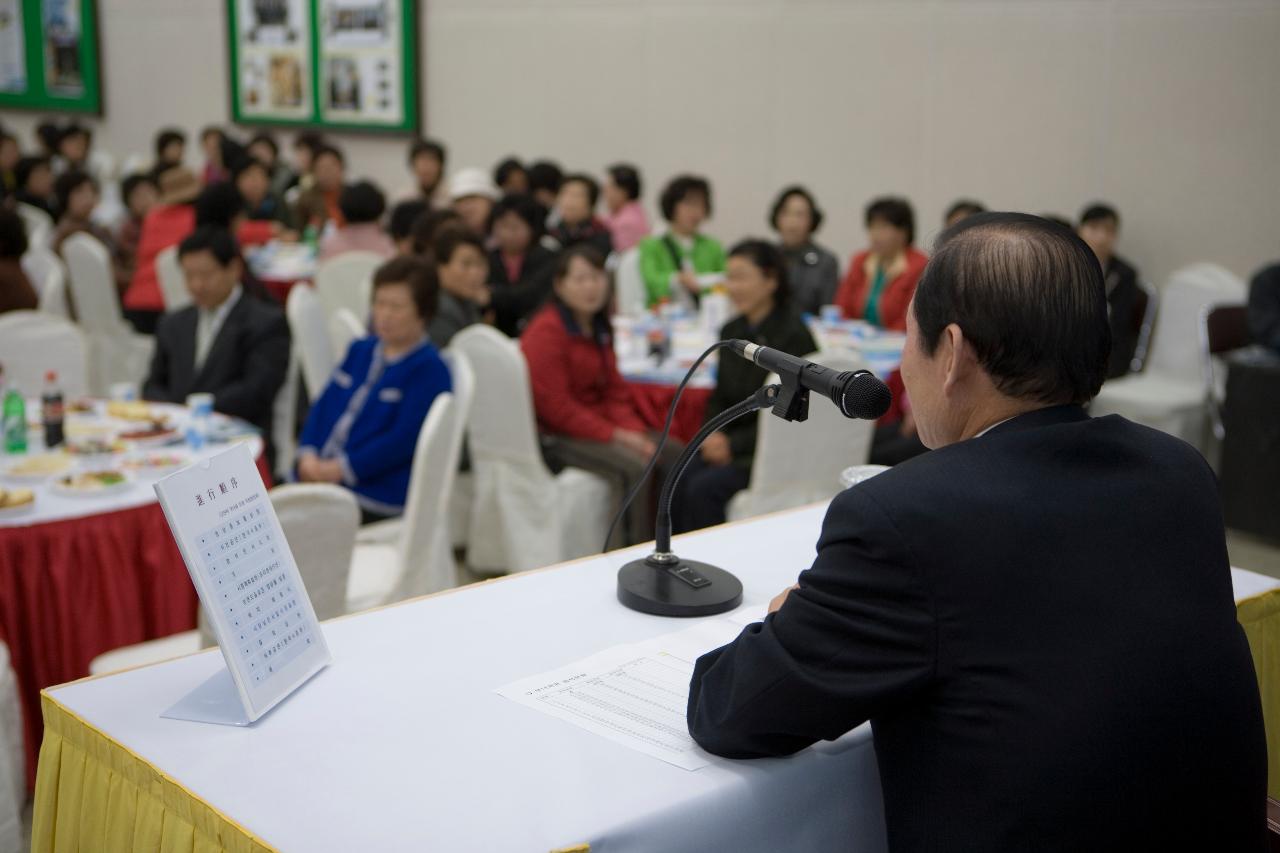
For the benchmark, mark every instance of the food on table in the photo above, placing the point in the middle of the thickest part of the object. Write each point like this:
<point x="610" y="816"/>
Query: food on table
<point x="14" y="498"/>
<point x="157" y="430"/>
<point x="39" y="465"/>
<point x="155" y="461"/>
<point x="81" y="407"/>
<point x="92" y="481"/>
<point x="131" y="410"/>
<point x="92" y="446"/>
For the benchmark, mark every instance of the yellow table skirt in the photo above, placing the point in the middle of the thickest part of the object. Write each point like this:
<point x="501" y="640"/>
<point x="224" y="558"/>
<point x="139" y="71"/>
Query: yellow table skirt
<point x="93" y="795"/>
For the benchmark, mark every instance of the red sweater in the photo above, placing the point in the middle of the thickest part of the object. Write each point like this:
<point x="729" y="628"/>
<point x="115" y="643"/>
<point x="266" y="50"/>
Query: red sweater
<point x="894" y="298"/>
<point x="577" y="389"/>
<point x="165" y="225"/>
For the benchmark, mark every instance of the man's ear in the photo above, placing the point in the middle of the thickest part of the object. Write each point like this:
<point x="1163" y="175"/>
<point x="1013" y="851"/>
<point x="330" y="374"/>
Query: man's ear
<point x="960" y="359"/>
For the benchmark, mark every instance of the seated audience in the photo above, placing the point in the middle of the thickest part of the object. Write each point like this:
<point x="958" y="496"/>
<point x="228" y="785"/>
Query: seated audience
<point x="171" y="219"/>
<point x="75" y="153"/>
<point x="226" y="343"/>
<point x="363" y="429"/>
<point x="170" y="149"/>
<point x="472" y="195"/>
<point x="961" y="210"/>
<point x="16" y="291"/>
<point x="584" y="407"/>
<point x="575" y="219"/>
<point x="400" y="224"/>
<point x="812" y="272"/>
<point x="139" y="194"/>
<point x="462" y="270"/>
<point x="362" y="206"/>
<point x="672" y="264"/>
<point x="264" y="149"/>
<point x="626" y="220"/>
<point x="215" y="168"/>
<point x="422" y="233"/>
<point x="10" y="154"/>
<point x="318" y="205"/>
<point x="1036" y="618"/>
<point x="519" y="266"/>
<point x="427" y="162"/>
<point x="1099" y="227"/>
<point x="252" y="179"/>
<point x="34" y="178"/>
<point x="1264" y="307"/>
<point x="760" y="291"/>
<point x="544" y="182"/>
<point x="881" y="280"/>
<point x="511" y="178"/>
<point x="77" y="197"/>
<point x="305" y="146"/>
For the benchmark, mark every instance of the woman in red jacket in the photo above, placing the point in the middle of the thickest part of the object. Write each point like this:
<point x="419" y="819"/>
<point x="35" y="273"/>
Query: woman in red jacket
<point x="584" y="406"/>
<point x="881" y="280"/>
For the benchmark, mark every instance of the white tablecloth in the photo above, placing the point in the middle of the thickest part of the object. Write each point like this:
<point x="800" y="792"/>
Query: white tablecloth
<point x="53" y="506"/>
<point x="403" y="745"/>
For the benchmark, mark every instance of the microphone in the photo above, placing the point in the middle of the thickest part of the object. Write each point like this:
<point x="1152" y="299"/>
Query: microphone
<point x="856" y="393"/>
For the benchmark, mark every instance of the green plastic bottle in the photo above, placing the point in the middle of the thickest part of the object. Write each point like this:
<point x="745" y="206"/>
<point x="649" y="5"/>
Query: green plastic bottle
<point x="15" y="422"/>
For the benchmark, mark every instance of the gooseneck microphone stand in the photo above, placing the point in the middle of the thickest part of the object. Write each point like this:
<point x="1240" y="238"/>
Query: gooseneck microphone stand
<point x="667" y="585"/>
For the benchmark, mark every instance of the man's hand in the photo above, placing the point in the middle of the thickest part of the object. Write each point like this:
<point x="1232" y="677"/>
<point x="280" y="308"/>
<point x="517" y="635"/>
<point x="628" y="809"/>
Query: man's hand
<point x="637" y="442"/>
<point x="781" y="597"/>
<point x="689" y="280"/>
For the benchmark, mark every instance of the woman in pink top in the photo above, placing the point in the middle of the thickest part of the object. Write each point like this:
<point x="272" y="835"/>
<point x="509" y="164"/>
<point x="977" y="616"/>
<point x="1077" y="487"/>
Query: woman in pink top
<point x="626" y="219"/>
<point x="362" y="206"/>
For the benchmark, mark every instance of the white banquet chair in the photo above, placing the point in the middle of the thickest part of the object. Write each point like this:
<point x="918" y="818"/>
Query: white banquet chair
<point x="33" y="343"/>
<point x="345" y="327"/>
<point x="311" y="339"/>
<point x="39" y="224"/>
<point x="419" y="558"/>
<point x="13" y="773"/>
<point x="522" y="516"/>
<point x="630" y="295"/>
<point x="117" y="353"/>
<point x="173" y="283"/>
<point x="798" y="463"/>
<point x="48" y="276"/>
<point x="319" y="521"/>
<point x="346" y="281"/>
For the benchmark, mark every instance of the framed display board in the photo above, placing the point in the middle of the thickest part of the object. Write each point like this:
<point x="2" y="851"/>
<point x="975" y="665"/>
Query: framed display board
<point x="326" y="64"/>
<point x="49" y="56"/>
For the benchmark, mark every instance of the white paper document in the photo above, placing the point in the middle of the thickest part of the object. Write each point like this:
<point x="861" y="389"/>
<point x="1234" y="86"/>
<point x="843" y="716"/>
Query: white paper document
<point x="635" y="694"/>
<point x="253" y="596"/>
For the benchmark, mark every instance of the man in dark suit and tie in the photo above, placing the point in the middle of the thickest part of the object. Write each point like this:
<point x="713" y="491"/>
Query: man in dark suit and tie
<point x="1037" y="616"/>
<point x="227" y="343"/>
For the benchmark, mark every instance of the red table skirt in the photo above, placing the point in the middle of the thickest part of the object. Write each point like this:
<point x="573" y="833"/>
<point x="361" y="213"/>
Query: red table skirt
<point x="653" y="401"/>
<point x="71" y="590"/>
<point x="279" y="288"/>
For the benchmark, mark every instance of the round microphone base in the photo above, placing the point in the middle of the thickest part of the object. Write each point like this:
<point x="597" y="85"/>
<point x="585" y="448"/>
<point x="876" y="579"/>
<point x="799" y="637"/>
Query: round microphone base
<point x="683" y="588"/>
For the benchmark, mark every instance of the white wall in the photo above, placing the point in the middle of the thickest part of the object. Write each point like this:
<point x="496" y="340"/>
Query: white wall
<point x="1168" y="109"/>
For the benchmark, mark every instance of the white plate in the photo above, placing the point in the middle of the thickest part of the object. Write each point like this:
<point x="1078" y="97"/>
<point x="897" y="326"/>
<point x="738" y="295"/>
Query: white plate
<point x="183" y="459"/>
<point x="32" y="477"/>
<point x="154" y="441"/>
<point x="58" y="488"/>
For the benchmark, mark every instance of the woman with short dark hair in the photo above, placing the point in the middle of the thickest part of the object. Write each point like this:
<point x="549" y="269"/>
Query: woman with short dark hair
<point x="575" y="219"/>
<point x="519" y="266"/>
<point x="363" y="429"/>
<point x="362" y="205"/>
<point x="757" y="284"/>
<point x="677" y="265"/>
<point x="882" y="279"/>
<point x="462" y="268"/>
<point x="625" y="217"/>
<point x="813" y="271"/>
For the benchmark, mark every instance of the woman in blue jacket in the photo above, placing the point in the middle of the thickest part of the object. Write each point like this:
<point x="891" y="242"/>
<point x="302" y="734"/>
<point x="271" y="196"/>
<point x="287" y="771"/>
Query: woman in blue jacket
<point x="362" y="430"/>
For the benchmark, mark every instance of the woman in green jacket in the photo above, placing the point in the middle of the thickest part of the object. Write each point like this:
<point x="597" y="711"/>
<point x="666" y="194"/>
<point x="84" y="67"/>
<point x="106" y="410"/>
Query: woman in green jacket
<point x="681" y="264"/>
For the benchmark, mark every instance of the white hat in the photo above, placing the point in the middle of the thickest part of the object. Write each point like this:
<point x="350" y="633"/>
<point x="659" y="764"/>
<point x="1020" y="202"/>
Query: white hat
<point x="471" y="181"/>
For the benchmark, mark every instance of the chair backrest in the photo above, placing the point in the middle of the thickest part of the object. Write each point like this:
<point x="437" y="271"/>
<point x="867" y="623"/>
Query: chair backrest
<point x="93" y="284"/>
<point x="310" y="338"/>
<point x="1175" y="346"/>
<point x="39" y="224"/>
<point x="49" y="277"/>
<point x="1223" y="328"/>
<point x="345" y="327"/>
<point x="173" y="283"/>
<point x="319" y="521"/>
<point x="629" y="285"/>
<point x="800" y="462"/>
<point x="345" y="281"/>
<point x="1146" y="306"/>
<point x="33" y="343"/>
<point x="284" y="415"/>
<point x="501" y="425"/>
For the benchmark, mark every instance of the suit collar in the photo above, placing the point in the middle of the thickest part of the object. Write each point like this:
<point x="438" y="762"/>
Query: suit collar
<point x="222" y="339"/>
<point x="1048" y="416"/>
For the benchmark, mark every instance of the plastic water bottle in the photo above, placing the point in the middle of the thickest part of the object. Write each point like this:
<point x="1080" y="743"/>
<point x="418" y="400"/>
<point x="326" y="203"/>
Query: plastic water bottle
<point x="51" y="411"/>
<point x="199" y="413"/>
<point x="15" y="422"/>
<point x="715" y="309"/>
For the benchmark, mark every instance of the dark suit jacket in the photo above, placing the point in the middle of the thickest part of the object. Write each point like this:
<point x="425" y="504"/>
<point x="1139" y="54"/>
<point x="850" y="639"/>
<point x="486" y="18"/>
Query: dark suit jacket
<point x="244" y="369"/>
<point x="514" y="302"/>
<point x="1040" y="626"/>
<point x="1122" y="299"/>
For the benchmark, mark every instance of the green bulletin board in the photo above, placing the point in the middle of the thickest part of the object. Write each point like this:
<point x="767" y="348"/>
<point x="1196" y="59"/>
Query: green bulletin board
<point x="49" y="56"/>
<point x="331" y="64"/>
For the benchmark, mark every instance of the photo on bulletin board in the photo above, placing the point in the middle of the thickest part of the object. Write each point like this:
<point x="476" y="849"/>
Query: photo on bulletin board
<point x="49" y="56"/>
<point x="329" y="64"/>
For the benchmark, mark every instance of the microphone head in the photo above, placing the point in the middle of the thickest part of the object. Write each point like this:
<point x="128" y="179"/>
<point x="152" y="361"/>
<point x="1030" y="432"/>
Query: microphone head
<point x="861" y="395"/>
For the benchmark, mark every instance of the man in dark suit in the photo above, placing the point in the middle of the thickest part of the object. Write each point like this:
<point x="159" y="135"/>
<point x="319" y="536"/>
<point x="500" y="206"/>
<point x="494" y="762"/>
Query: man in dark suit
<point x="1036" y="617"/>
<point x="1100" y="227"/>
<point x="227" y="343"/>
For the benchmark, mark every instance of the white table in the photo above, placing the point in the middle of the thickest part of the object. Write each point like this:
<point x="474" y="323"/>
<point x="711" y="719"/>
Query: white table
<point x="403" y="745"/>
